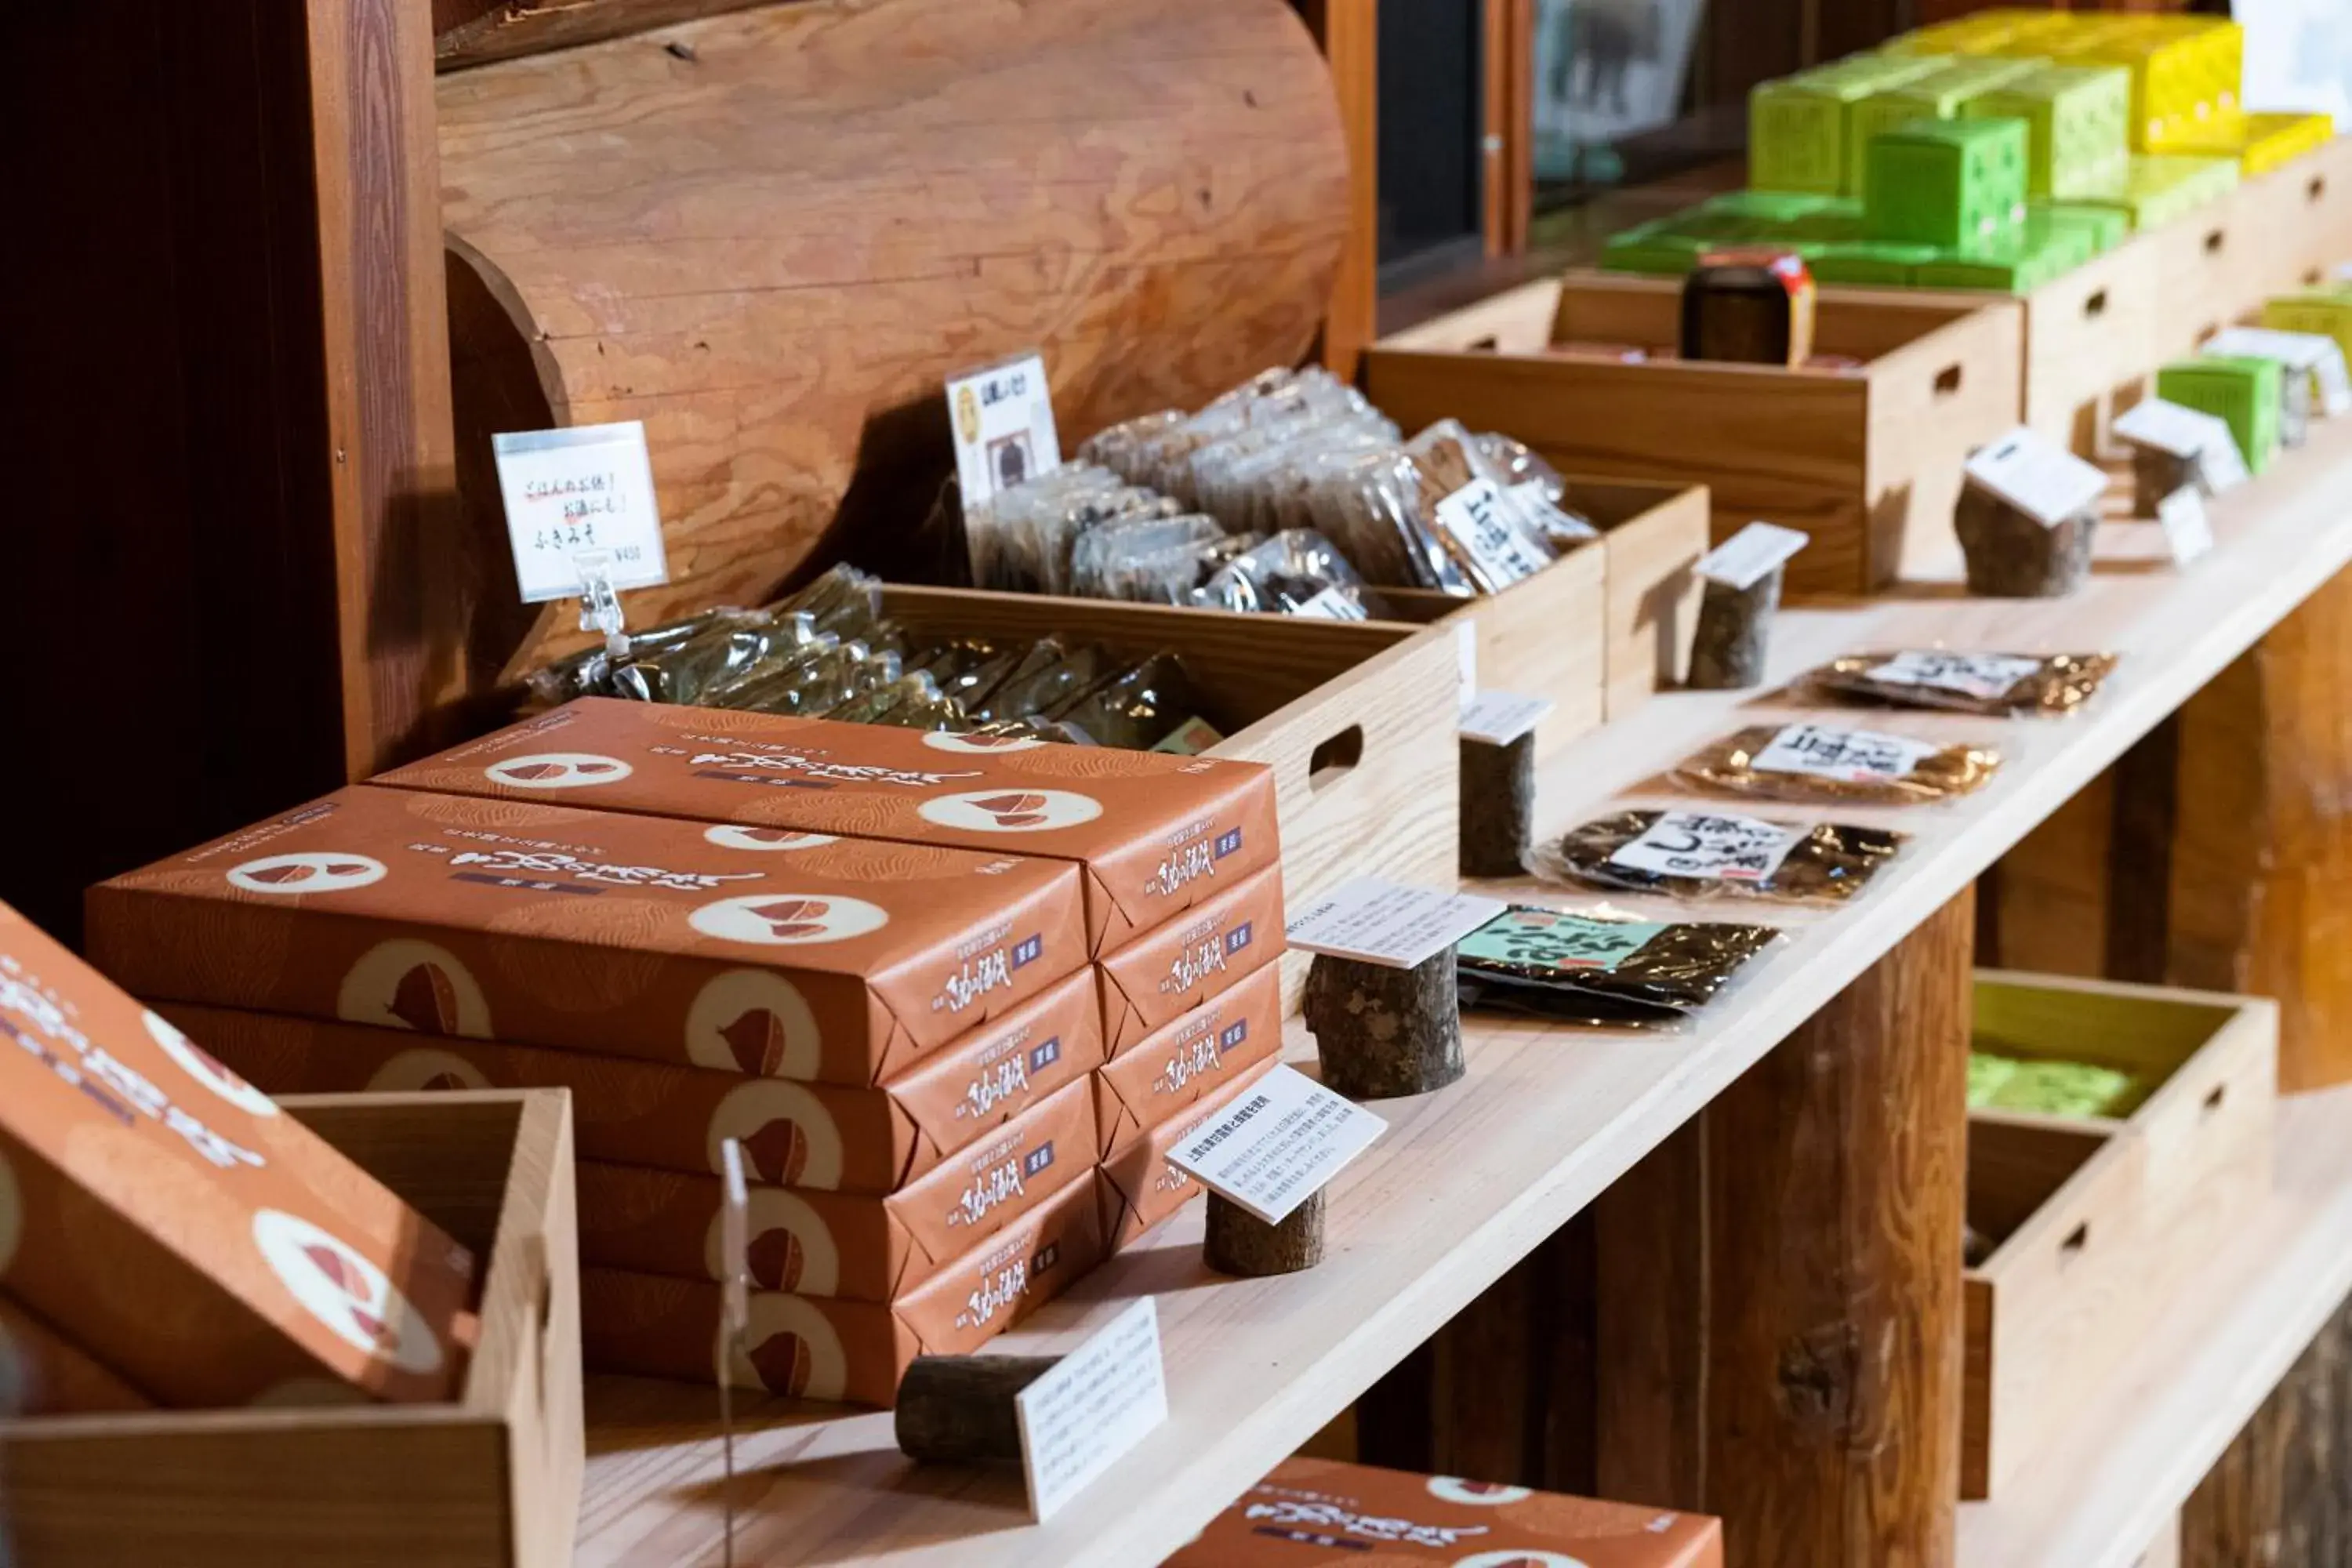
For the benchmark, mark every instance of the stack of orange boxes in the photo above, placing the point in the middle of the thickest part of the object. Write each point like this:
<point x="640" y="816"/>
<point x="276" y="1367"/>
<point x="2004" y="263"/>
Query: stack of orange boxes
<point x="929" y="982"/>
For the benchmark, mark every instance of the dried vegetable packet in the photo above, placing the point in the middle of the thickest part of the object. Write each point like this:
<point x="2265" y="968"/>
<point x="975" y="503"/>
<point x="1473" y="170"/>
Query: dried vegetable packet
<point x="1296" y="571"/>
<point x="1600" y="966"/>
<point x="1993" y="683"/>
<point x="1702" y="854"/>
<point x="1812" y="761"/>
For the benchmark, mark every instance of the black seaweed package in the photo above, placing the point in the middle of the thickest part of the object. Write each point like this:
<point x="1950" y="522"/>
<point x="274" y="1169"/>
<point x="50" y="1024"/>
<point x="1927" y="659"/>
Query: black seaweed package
<point x="1601" y="967"/>
<point x="1702" y="854"/>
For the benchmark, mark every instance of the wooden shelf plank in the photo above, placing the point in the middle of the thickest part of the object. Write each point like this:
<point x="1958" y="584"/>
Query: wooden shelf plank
<point x="1469" y="1181"/>
<point x="2094" y="1494"/>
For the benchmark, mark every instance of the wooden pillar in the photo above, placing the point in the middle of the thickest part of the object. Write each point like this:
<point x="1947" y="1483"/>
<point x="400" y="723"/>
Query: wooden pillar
<point x="1349" y="34"/>
<point x="2262" y="840"/>
<point x="1780" y="1299"/>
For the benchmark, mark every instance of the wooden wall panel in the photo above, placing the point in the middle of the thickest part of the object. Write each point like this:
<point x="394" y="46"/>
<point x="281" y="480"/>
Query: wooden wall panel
<point x="2281" y="1496"/>
<point x="773" y="245"/>
<point x="1348" y="33"/>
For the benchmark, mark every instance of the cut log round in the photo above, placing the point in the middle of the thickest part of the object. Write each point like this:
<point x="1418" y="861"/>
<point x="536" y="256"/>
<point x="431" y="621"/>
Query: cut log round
<point x="1238" y="1243"/>
<point x="774" y="241"/>
<point x="958" y="1409"/>
<point x="1382" y="1032"/>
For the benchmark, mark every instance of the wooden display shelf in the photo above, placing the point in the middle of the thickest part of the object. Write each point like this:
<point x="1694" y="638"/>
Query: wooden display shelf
<point x="2112" y="1478"/>
<point x="1467" y="1182"/>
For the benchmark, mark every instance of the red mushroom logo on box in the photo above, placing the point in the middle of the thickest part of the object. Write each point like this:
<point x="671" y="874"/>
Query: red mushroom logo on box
<point x="405" y="984"/>
<point x="970" y="745"/>
<point x="558" y="770"/>
<point x="735" y="835"/>
<point x="1011" y="811"/>
<point x="345" y="1291"/>
<point x="755" y="1022"/>
<point x="412" y="1072"/>
<point x="788" y="920"/>
<point x="787" y="1136"/>
<point x="200" y="1064"/>
<point x="1481" y="1494"/>
<point x="308" y="871"/>
<point x="789" y="1349"/>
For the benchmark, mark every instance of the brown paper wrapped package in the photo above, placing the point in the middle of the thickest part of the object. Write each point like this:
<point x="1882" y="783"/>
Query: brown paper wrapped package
<point x="41" y="1374"/>
<point x="1320" y="1513"/>
<point x="1156" y="833"/>
<point x="166" y="1216"/>
<point x="854" y="1351"/>
<point x="1200" y="1054"/>
<point x="816" y="1136"/>
<point x="807" y="958"/>
<point x="1203" y="953"/>
<point x="825" y="1244"/>
<point x="1139" y="1187"/>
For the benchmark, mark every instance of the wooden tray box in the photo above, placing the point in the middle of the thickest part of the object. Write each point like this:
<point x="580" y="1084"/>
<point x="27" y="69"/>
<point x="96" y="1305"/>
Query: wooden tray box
<point x="2089" y="343"/>
<point x="1603" y="627"/>
<point x="1357" y="719"/>
<point x="489" y="1481"/>
<point x="1867" y="461"/>
<point x="2094" y="1217"/>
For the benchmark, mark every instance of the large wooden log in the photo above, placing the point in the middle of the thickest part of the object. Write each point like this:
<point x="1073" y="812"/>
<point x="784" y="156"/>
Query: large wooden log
<point x="772" y="234"/>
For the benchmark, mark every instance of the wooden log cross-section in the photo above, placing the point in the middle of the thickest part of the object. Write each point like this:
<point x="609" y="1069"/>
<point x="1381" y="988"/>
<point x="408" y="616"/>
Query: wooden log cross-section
<point x="772" y="234"/>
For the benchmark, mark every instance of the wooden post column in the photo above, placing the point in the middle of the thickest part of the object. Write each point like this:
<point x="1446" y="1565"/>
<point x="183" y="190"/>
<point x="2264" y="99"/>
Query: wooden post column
<point x="1792" y="1362"/>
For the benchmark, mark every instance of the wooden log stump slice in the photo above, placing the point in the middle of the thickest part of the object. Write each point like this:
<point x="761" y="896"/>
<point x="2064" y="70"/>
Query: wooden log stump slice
<point x="1498" y="806"/>
<point x="1380" y="1031"/>
<point x="960" y="1410"/>
<point x="1237" y="1242"/>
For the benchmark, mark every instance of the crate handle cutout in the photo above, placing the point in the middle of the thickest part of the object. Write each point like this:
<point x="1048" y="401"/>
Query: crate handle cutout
<point x="2316" y="190"/>
<point x="1336" y="758"/>
<point x="2214" y="1097"/>
<point x="2076" y="1240"/>
<point x="2311" y="276"/>
<point x="2095" y="306"/>
<point x="1948" y="381"/>
<point x="1488" y="344"/>
<point x="2214" y="240"/>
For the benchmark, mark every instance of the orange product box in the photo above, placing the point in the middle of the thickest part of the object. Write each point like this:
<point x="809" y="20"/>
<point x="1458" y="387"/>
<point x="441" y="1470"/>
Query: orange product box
<point x="842" y="961"/>
<point x="855" y="1351"/>
<point x="1202" y="953"/>
<point x="42" y="1375"/>
<point x="1200" y="1054"/>
<point x="1156" y="833"/>
<point x="167" y="1217"/>
<point x="1139" y="1187"/>
<point x="855" y="1248"/>
<point x="674" y="1119"/>
<point x="1310" y="1513"/>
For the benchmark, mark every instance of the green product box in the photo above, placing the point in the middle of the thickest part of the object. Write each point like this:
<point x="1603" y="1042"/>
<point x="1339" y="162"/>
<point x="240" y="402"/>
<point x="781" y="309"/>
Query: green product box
<point x="2243" y="392"/>
<point x="2159" y="188"/>
<point x="1949" y="91"/>
<point x="1870" y="262"/>
<point x="2016" y="266"/>
<point x="2102" y="227"/>
<point x="2078" y="121"/>
<point x="1798" y="126"/>
<point x="1651" y="249"/>
<point x="2327" y="311"/>
<point x="1958" y="185"/>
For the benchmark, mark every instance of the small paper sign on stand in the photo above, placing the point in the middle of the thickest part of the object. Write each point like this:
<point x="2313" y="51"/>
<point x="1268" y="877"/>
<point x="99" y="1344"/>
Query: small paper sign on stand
<point x="1091" y="1408"/>
<point x="581" y="517"/>
<point x="1002" y="419"/>
<point x="2037" y="477"/>
<point x="1277" y="1144"/>
<point x="2186" y="530"/>
<point x="1740" y="562"/>
<point x="1373" y="922"/>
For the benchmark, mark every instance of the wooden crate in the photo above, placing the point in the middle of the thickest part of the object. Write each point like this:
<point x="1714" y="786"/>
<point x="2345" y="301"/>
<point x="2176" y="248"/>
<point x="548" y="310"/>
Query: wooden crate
<point x="1603" y="627"/>
<point x="1867" y="462"/>
<point x="1357" y="719"/>
<point x="2098" y="1216"/>
<point x="2089" y="343"/>
<point x="2048" y="1313"/>
<point x="491" y="1480"/>
<point x="2209" y="1124"/>
<point x="2324" y="239"/>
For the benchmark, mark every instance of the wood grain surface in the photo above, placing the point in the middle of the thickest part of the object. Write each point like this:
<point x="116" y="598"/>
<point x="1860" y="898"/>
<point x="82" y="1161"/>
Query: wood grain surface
<point x="2281" y="1496"/>
<point x="476" y="32"/>
<point x="772" y="234"/>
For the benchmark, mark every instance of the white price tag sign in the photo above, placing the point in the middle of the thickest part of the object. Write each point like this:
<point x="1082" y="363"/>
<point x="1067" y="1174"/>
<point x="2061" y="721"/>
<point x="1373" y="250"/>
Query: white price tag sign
<point x="1098" y="1403"/>
<point x="2036" y="476"/>
<point x="1277" y="1144"/>
<point x="1707" y="845"/>
<point x="1386" y="923"/>
<point x="1473" y="515"/>
<point x="1740" y="562"/>
<point x="1853" y="756"/>
<point x="587" y="490"/>
<point x="1499" y="717"/>
<point x="1987" y="677"/>
<point x="2314" y="354"/>
<point x="2187" y="529"/>
<point x="2171" y="428"/>
<point x="1002" y="418"/>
